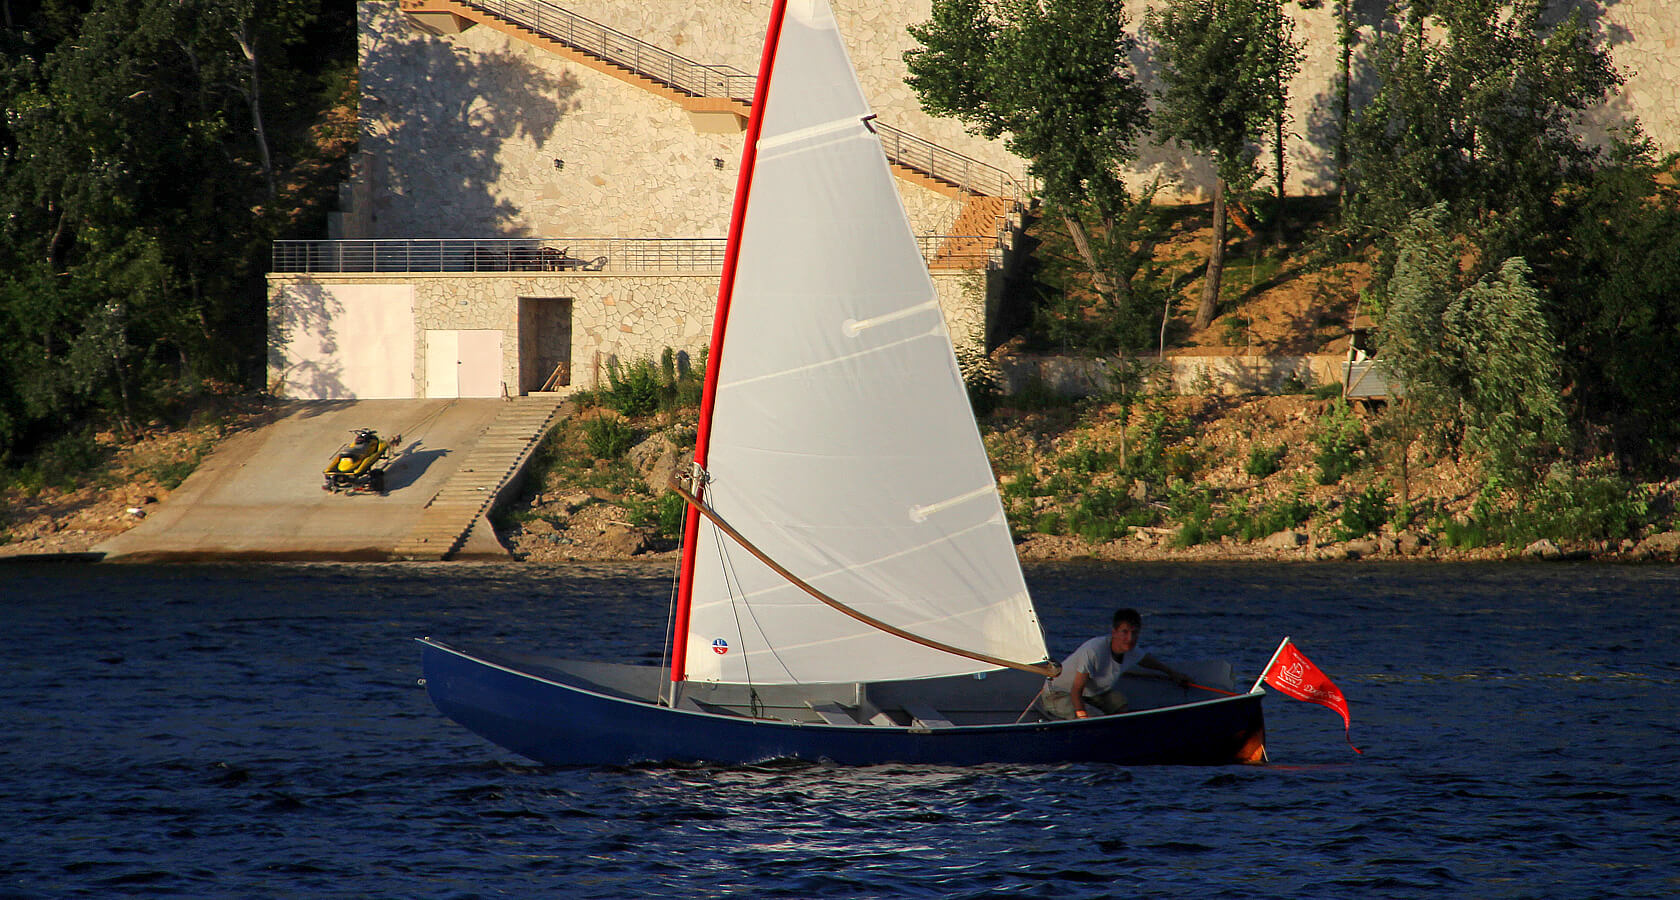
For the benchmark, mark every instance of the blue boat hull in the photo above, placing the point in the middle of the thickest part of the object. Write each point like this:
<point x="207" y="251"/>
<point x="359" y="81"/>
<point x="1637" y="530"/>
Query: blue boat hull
<point x="562" y="724"/>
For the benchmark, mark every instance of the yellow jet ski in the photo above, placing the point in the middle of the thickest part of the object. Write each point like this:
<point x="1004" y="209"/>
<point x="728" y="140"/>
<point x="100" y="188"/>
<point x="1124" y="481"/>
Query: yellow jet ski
<point x="359" y="466"/>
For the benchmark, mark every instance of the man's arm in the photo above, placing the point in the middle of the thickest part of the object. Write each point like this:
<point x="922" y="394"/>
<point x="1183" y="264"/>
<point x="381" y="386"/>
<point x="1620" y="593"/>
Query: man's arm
<point x="1077" y="695"/>
<point x="1150" y="662"/>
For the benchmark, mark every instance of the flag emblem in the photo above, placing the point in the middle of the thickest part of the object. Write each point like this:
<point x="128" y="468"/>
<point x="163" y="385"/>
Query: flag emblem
<point x="1295" y="676"/>
<point x="720" y="646"/>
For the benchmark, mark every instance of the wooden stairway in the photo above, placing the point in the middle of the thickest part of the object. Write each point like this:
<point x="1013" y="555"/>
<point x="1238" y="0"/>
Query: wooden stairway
<point x="481" y="480"/>
<point x="716" y="91"/>
<point x="980" y="226"/>
<point x="688" y="100"/>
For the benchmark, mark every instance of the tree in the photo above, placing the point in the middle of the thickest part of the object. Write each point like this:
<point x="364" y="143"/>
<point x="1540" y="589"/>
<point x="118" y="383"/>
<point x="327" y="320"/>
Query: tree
<point x="1224" y="67"/>
<point x="1053" y="79"/>
<point x="1474" y="107"/>
<point x="1478" y="359"/>
<point x="1613" y="260"/>
<point x="144" y="147"/>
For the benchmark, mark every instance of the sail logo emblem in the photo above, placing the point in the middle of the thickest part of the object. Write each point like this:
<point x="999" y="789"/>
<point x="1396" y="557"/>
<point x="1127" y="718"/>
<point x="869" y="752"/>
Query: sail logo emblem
<point x="1293" y="677"/>
<point x="720" y="646"/>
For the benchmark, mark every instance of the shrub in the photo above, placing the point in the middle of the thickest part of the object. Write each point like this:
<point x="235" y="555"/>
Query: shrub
<point x="1235" y="331"/>
<point x="1280" y="515"/>
<point x="608" y="437"/>
<point x="642" y="387"/>
<point x="1199" y="523"/>
<point x="1593" y="504"/>
<point x="1339" y="438"/>
<point x="634" y="389"/>
<point x="1263" y="460"/>
<point x="1366" y="511"/>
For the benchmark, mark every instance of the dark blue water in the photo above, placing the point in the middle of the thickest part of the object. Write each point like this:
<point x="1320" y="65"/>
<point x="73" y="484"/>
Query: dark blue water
<point x="256" y="731"/>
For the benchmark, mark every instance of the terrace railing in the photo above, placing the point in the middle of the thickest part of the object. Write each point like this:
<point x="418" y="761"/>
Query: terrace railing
<point x="656" y="63"/>
<point x="611" y="255"/>
<point x="701" y="80"/>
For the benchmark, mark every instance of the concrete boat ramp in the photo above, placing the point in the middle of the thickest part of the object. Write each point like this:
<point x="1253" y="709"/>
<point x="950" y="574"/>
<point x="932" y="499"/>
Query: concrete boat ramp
<point x="259" y="496"/>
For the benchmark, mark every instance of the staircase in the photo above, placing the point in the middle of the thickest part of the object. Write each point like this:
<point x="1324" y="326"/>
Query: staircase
<point x="483" y="477"/>
<point x="699" y="88"/>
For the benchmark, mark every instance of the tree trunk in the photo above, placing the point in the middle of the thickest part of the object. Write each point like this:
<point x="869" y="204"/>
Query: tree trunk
<point x="1277" y="149"/>
<point x="1111" y="288"/>
<point x="1216" y="261"/>
<point x="254" y="98"/>
<point x="1344" y="95"/>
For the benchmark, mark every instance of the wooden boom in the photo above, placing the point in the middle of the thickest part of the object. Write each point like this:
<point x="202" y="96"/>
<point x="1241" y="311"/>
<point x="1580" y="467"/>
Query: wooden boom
<point x="1047" y="669"/>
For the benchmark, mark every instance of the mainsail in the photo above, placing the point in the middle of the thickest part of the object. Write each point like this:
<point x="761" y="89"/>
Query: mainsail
<point x="841" y="440"/>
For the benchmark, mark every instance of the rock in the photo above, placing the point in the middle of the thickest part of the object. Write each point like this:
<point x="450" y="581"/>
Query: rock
<point x="622" y="540"/>
<point x="536" y="527"/>
<point x="1361" y="548"/>
<point x="1410" y="543"/>
<point x="1543" y="549"/>
<point x="655" y="460"/>
<point x="1284" y="540"/>
<point x="1666" y="544"/>
<point x="577" y="500"/>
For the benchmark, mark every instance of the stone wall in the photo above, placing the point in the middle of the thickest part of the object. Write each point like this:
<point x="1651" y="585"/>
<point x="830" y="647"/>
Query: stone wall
<point x="478" y="135"/>
<point x="627" y="316"/>
<point x="464" y="131"/>
<point x="1079" y="376"/>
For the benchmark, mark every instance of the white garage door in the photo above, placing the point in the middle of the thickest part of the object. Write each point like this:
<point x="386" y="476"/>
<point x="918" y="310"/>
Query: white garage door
<point x="464" y="363"/>
<point x="347" y="341"/>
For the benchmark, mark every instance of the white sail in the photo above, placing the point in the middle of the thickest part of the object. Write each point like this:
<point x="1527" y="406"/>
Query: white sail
<point x="842" y="442"/>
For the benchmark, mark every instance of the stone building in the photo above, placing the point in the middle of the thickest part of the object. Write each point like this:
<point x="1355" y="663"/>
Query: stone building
<point x="542" y="187"/>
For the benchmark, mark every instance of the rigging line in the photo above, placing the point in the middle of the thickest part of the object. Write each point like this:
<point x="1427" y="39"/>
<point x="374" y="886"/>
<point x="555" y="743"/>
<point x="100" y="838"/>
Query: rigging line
<point x="737" y="599"/>
<point x="1047" y="669"/>
<point x="731" y="587"/>
<point x="670" y="635"/>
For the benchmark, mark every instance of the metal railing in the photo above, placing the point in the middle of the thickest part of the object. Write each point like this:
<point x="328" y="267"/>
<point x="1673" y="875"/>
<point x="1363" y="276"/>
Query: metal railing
<point x="614" y="255"/>
<point x="699" y="80"/>
<point x="661" y="65"/>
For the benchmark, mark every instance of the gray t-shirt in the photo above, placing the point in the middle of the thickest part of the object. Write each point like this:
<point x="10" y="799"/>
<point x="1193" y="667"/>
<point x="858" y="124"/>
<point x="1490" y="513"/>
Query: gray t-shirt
<point x="1096" y="660"/>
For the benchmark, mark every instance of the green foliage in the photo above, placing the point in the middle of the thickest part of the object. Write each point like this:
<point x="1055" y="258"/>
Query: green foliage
<point x="1366" y="512"/>
<point x="981" y="378"/>
<point x="1289" y="511"/>
<point x="1054" y="81"/>
<point x="150" y="150"/>
<point x="1103" y="514"/>
<point x="60" y="463"/>
<point x="1592" y="504"/>
<point x="1480" y="361"/>
<point x="635" y="390"/>
<point x="1263" y="460"/>
<point x="643" y="387"/>
<point x="1473" y="107"/>
<point x="1225" y="69"/>
<point x="663" y="514"/>
<point x="1200" y="518"/>
<point x="1339" y="437"/>
<point x="608" y="437"/>
<point x="1614" y="260"/>
<point x="1235" y="332"/>
<point x="1148" y="460"/>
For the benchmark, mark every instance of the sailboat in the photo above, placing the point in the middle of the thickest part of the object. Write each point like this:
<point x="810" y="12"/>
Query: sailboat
<point x="849" y="590"/>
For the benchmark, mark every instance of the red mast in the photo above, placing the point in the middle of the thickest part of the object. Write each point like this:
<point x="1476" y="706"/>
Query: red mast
<point x="720" y="320"/>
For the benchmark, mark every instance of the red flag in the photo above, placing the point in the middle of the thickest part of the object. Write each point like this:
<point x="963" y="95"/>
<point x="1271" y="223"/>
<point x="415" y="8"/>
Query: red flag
<point x="1295" y="675"/>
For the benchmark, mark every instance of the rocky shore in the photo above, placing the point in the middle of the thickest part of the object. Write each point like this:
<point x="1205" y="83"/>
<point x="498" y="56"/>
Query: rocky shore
<point x="580" y="508"/>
